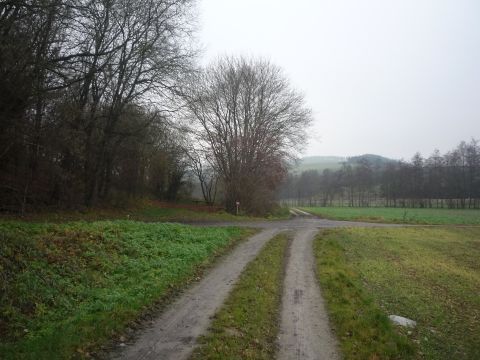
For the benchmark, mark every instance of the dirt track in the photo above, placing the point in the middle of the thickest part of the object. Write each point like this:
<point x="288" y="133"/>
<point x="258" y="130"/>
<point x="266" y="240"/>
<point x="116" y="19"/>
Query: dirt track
<point x="174" y="333"/>
<point x="305" y="331"/>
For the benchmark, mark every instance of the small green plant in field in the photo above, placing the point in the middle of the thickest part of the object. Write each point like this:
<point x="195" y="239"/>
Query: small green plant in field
<point x="399" y="215"/>
<point x="67" y="288"/>
<point x="247" y="325"/>
<point x="430" y="275"/>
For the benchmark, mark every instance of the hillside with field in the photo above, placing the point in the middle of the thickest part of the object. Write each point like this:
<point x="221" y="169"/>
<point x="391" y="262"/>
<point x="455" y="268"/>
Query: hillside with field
<point x="320" y="163"/>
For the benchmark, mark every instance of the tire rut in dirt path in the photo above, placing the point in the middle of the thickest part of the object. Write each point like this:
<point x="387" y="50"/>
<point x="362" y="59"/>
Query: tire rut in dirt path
<point x="173" y="335"/>
<point x="305" y="332"/>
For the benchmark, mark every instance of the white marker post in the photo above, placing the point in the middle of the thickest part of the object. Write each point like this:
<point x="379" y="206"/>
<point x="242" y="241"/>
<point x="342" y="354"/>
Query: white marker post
<point x="238" y="204"/>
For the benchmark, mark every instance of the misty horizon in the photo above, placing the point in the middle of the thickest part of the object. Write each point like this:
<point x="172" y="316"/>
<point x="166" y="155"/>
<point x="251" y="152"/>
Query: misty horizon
<point x="381" y="78"/>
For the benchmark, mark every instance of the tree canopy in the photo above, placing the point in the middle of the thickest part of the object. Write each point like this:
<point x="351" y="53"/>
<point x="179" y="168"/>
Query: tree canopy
<point x="250" y="121"/>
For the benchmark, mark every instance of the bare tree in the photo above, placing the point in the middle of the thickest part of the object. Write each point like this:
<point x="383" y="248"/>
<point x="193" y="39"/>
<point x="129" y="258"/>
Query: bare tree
<point x="203" y="167"/>
<point x="252" y="121"/>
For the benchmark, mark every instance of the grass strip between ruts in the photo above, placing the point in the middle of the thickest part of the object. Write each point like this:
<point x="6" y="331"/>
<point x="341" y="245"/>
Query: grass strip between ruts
<point x="246" y="327"/>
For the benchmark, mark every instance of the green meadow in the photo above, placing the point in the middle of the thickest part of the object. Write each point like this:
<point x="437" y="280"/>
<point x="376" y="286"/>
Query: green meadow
<point x="424" y="216"/>
<point x="68" y="288"/>
<point x="430" y="275"/>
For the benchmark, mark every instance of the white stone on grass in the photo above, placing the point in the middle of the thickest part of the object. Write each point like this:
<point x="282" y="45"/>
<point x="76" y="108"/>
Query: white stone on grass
<point x="402" y="321"/>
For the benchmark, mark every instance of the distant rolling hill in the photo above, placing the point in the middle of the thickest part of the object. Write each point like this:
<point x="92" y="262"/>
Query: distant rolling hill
<point x="321" y="163"/>
<point x="376" y="160"/>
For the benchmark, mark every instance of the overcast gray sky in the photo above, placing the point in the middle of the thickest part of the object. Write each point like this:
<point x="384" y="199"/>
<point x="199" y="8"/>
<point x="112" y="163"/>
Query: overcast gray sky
<point x="384" y="77"/>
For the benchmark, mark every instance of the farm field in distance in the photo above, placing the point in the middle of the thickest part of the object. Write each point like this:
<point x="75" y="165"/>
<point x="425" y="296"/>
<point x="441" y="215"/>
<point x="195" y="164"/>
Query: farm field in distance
<point x="426" y="216"/>
<point x="67" y="288"/>
<point x="430" y="275"/>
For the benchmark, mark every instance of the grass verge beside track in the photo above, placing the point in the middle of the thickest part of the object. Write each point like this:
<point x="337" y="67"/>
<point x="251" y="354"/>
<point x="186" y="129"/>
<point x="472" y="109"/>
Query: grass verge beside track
<point x="247" y="325"/>
<point x="425" y="274"/>
<point x="65" y="289"/>
<point x="399" y="215"/>
<point x="148" y="211"/>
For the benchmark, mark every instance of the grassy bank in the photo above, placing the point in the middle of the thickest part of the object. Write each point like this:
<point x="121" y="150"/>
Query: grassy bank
<point x="247" y="325"/>
<point x="67" y="288"/>
<point x="398" y="215"/>
<point x="146" y="210"/>
<point x="428" y="275"/>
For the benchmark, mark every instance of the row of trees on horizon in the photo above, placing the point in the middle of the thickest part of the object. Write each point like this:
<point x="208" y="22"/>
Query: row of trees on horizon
<point x="451" y="180"/>
<point x="102" y="101"/>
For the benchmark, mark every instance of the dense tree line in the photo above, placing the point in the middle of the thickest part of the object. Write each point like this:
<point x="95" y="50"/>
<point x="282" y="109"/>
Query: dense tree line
<point x="85" y="98"/>
<point x="102" y="100"/>
<point x="451" y="180"/>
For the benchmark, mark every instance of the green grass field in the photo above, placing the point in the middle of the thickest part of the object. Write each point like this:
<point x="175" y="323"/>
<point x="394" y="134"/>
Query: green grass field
<point x="425" y="274"/>
<point x="67" y="288"/>
<point x="247" y="325"/>
<point x="399" y="215"/>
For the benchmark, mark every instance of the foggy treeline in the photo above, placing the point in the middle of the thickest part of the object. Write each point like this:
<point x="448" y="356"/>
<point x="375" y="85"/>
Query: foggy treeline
<point x="451" y="180"/>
